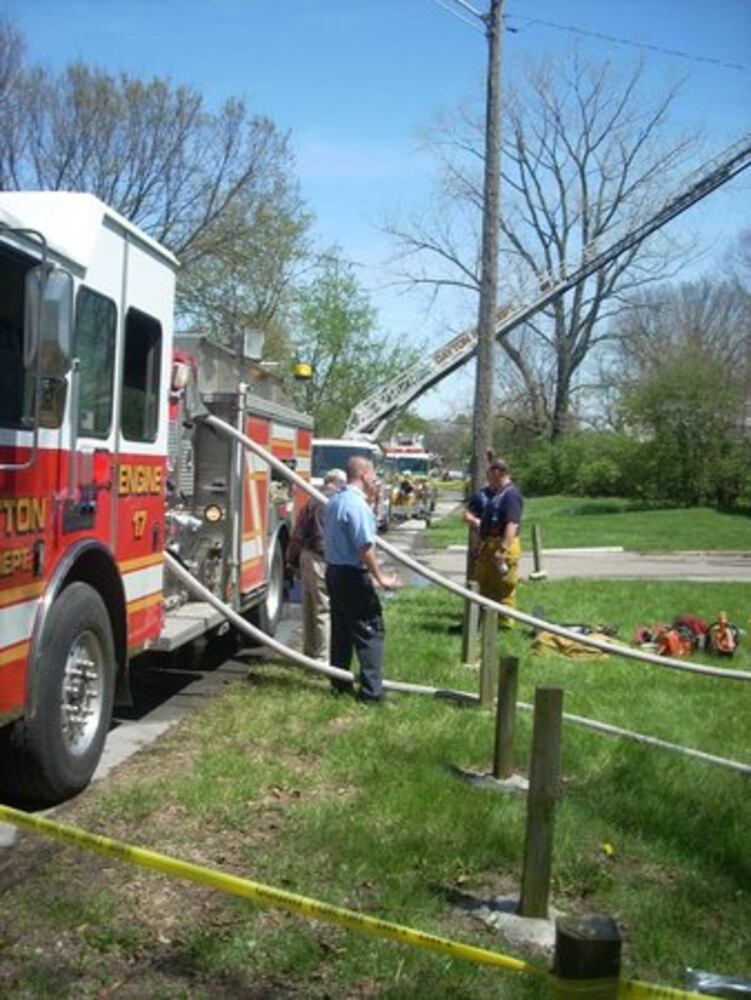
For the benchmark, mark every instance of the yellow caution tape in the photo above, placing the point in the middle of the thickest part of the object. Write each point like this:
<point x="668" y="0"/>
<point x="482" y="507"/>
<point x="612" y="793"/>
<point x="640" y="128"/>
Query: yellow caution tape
<point x="632" y="989"/>
<point x="627" y="989"/>
<point x="314" y="909"/>
<point x="262" y="893"/>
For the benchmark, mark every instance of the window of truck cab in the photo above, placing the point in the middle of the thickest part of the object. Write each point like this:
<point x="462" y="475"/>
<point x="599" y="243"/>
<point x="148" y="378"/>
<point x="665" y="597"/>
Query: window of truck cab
<point x="141" y="375"/>
<point x="95" y="336"/>
<point x="16" y="384"/>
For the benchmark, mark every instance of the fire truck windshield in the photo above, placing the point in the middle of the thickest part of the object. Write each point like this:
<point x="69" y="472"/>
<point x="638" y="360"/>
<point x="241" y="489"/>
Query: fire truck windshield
<point x="419" y="465"/>
<point x="334" y="456"/>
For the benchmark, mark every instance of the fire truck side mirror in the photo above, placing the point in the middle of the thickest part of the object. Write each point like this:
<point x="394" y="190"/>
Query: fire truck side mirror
<point x="48" y="321"/>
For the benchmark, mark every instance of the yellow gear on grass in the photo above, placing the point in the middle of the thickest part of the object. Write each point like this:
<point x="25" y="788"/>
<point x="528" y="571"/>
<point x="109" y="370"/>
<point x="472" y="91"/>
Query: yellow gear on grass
<point x="549" y="642"/>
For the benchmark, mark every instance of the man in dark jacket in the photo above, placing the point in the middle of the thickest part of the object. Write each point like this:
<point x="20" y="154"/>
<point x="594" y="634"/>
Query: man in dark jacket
<point x="306" y="548"/>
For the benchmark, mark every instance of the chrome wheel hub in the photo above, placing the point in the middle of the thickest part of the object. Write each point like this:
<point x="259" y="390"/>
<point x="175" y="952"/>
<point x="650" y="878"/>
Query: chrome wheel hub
<point x="82" y="692"/>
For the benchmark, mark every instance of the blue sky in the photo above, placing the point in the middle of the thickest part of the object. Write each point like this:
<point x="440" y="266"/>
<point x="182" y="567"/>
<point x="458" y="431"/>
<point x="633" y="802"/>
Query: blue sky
<point x="355" y="80"/>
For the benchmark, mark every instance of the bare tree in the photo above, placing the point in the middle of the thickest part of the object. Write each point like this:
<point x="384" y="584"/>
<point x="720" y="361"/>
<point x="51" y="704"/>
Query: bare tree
<point x="740" y="258"/>
<point x="215" y="186"/>
<point x="151" y="150"/>
<point x="12" y="50"/>
<point x="584" y="160"/>
<point x="711" y="318"/>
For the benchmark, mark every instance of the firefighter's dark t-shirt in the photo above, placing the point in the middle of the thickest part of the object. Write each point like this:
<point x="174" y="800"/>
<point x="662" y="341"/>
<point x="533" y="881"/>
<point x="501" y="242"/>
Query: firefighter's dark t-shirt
<point x="504" y="506"/>
<point x="479" y="501"/>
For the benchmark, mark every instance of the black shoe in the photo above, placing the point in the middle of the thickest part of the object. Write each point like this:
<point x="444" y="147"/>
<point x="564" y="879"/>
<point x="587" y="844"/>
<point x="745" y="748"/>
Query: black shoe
<point x="381" y="702"/>
<point x="341" y="688"/>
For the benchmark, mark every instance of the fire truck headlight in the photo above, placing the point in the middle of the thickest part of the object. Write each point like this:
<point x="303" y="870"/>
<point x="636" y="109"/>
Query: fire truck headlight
<point x="180" y="375"/>
<point x="213" y="513"/>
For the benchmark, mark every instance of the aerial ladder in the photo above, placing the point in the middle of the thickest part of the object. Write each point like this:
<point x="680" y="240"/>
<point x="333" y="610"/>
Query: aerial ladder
<point x="374" y="412"/>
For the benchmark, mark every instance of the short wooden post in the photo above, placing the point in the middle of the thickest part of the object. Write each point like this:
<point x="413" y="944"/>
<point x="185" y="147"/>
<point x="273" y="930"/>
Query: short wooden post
<point x="544" y="780"/>
<point x="505" y="719"/>
<point x="538" y="573"/>
<point x="470" y="627"/>
<point x="586" y="948"/>
<point x="488" y="656"/>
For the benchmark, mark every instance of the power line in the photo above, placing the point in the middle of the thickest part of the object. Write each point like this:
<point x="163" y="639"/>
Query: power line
<point x="458" y="15"/>
<point x="473" y="10"/>
<point x="576" y="30"/>
<point x="663" y="50"/>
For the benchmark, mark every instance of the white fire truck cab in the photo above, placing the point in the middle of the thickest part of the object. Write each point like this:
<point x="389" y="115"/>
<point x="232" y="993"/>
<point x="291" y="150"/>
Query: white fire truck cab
<point x="334" y="453"/>
<point x="104" y="462"/>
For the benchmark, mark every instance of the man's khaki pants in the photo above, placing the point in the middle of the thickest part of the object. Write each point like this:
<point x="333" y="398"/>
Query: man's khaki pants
<point x="316" y="616"/>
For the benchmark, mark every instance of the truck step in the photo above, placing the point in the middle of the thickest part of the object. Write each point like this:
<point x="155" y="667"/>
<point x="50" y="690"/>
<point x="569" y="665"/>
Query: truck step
<point x="186" y="623"/>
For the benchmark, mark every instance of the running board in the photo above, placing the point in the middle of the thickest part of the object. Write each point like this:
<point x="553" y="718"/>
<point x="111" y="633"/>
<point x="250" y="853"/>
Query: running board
<point x="186" y="623"/>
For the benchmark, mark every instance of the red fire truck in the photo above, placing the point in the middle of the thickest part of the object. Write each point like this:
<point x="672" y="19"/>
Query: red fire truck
<point x="104" y="463"/>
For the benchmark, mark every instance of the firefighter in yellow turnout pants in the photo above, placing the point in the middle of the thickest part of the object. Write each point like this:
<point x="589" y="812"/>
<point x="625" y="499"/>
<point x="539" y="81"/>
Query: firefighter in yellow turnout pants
<point x="497" y="566"/>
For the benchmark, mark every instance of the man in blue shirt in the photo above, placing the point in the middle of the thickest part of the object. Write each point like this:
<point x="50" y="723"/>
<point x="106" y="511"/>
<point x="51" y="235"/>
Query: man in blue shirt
<point x="349" y="534"/>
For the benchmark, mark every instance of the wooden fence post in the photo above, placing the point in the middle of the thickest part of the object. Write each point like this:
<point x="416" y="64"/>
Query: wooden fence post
<point x="544" y="780"/>
<point x="470" y="627"/>
<point x="505" y="720"/>
<point x="586" y="948"/>
<point x="538" y="573"/>
<point x="488" y="656"/>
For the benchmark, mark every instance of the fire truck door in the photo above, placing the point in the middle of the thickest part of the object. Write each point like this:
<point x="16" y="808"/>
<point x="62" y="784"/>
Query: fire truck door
<point x="140" y="477"/>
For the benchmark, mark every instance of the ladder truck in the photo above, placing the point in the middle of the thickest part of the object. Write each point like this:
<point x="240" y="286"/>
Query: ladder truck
<point x="104" y="464"/>
<point x="374" y="412"/>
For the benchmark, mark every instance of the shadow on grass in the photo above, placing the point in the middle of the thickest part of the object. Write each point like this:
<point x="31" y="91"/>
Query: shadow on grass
<point x="743" y="510"/>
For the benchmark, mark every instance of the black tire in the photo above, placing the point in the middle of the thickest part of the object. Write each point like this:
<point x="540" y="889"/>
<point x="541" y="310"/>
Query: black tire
<point x="52" y="754"/>
<point x="268" y="613"/>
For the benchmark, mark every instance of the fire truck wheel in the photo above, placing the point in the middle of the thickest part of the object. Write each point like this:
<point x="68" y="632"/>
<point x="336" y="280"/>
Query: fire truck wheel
<point x="56" y="750"/>
<point x="268" y="613"/>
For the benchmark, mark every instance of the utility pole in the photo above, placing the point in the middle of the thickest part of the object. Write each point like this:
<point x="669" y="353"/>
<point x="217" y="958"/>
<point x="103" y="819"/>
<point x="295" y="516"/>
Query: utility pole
<point x="482" y="421"/>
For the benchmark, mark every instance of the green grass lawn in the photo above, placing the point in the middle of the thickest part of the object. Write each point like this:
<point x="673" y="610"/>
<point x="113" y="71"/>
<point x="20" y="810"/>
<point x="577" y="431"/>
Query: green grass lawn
<point x="282" y="783"/>
<point x="568" y="522"/>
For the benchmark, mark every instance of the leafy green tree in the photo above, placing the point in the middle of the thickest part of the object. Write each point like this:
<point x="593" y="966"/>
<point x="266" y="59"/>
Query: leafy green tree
<point x="336" y="335"/>
<point x="247" y="278"/>
<point x="688" y="415"/>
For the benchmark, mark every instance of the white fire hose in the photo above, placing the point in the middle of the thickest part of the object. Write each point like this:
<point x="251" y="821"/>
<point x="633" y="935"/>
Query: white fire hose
<point x="243" y="625"/>
<point x="485" y="602"/>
